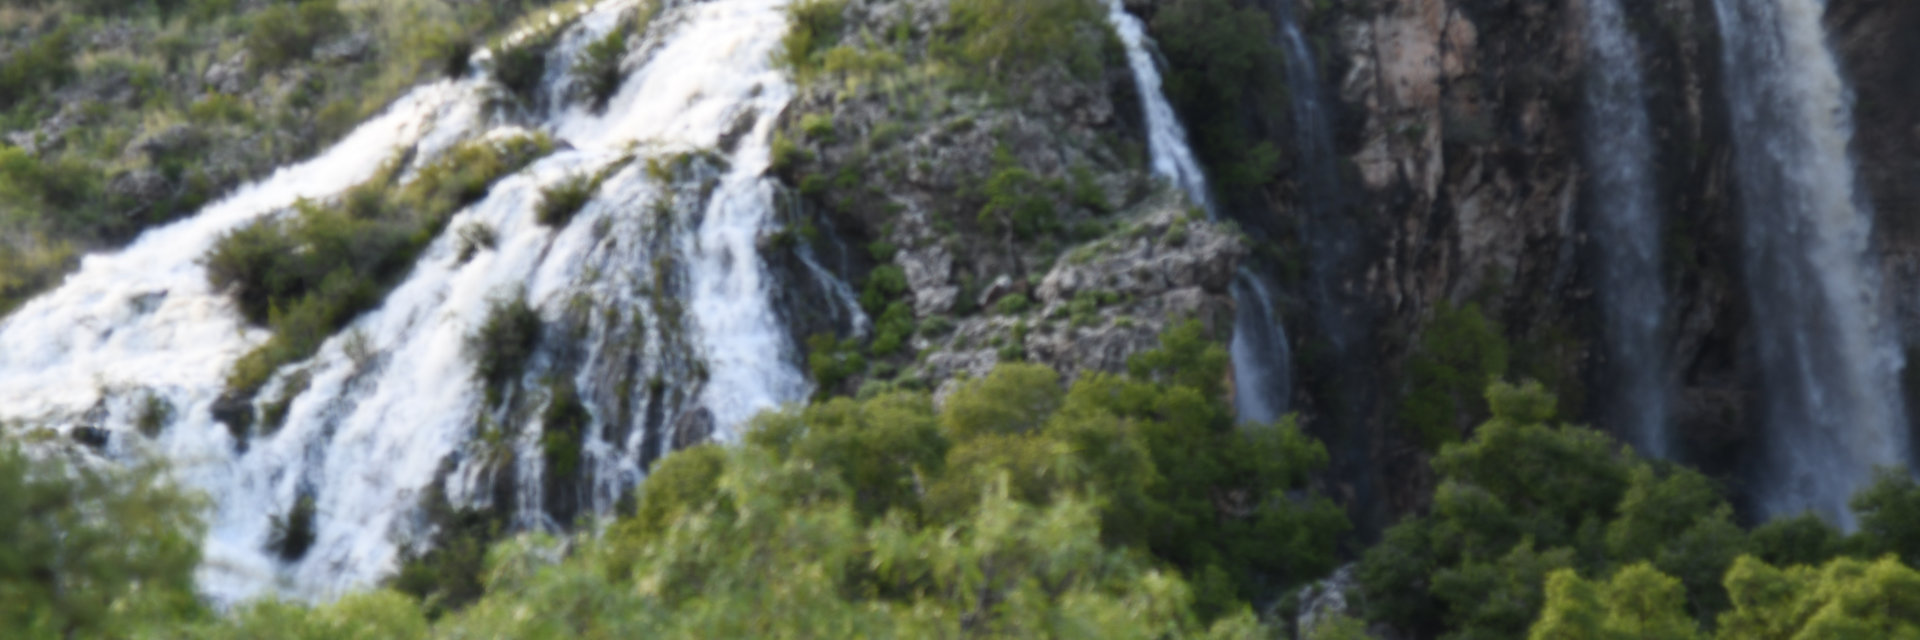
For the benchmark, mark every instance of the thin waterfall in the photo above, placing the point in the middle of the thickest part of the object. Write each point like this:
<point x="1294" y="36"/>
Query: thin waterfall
<point x="1261" y="357"/>
<point x="1625" y="221"/>
<point x="654" y="302"/>
<point x="1166" y="139"/>
<point x="1829" y="362"/>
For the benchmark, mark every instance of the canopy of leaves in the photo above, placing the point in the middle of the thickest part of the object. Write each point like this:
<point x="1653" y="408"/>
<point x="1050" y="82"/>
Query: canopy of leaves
<point x="92" y="554"/>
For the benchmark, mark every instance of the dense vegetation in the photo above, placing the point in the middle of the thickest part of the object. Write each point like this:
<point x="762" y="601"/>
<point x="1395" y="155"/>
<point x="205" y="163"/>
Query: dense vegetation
<point x="1019" y="506"/>
<point x="307" y="274"/>
<point x="116" y="115"/>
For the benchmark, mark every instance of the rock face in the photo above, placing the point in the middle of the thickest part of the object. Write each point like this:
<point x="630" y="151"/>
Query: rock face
<point x="1105" y="301"/>
<point x="978" y="227"/>
<point x="1460" y="122"/>
<point x="1460" y="119"/>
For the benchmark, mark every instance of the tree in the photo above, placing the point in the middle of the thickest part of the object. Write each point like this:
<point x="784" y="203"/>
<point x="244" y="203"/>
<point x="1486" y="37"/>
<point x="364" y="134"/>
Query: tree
<point x="1889" y="511"/>
<point x="92" y="553"/>
<point x="1639" y="602"/>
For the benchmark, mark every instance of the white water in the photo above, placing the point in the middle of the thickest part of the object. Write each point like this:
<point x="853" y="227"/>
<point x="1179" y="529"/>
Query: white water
<point x="1261" y="355"/>
<point x="391" y="404"/>
<point x="1263" y="383"/>
<point x="1166" y="138"/>
<point x="1829" y="361"/>
<point x="1625" y="222"/>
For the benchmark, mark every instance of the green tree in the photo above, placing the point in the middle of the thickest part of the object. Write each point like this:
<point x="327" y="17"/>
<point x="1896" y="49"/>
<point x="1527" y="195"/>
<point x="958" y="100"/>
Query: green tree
<point x="1889" y="512"/>
<point x="1639" y="602"/>
<point x="92" y="553"/>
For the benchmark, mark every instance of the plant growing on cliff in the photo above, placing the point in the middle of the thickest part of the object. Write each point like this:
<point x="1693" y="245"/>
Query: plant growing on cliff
<point x="812" y="28"/>
<point x="1459" y="354"/>
<point x="1019" y="36"/>
<point x="559" y="202"/>
<point x="504" y="342"/>
<point x="562" y="424"/>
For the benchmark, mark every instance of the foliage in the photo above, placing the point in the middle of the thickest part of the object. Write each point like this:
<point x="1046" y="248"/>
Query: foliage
<point x="1019" y="36"/>
<point x="177" y="140"/>
<point x="503" y="343"/>
<point x="370" y="615"/>
<point x="1018" y="203"/>
<point x="1013" y="304"/>
<point x="812" y="27"/>
<point x="286" y="32"/>
<point x="559" y="202"/>
<point x="450" y="574"/>
<point x="1459" y="354"/>
<point x="562" y="424"/>
<point x="1523" y="499"/>
<point x="1222" y="66"/>
<point x="308" y="275"/>
<point x="1845" y="598"/>
<point x="832" y="361"/>
<point x="1637" y="603"/>
<point x="92" y="553"/>
<point x="1889" y="512"/>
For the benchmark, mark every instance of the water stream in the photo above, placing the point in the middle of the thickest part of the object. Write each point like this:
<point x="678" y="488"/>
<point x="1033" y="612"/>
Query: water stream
<point x="1829" y="362"/>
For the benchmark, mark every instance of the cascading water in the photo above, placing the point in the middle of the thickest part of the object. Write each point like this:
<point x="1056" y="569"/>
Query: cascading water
<point x="1261" y="356"/>
<point x="1625" y="223"/>
<point x="1830" y="366"/>
<point x="654" y="303"/>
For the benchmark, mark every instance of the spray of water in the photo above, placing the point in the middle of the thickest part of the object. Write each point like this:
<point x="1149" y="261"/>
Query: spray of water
<point x="654" y="302"/>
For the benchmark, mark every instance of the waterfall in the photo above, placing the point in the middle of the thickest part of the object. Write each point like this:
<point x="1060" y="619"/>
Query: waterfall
<point x="1261" y="356"/>
<point x="654" y="301"/>
<point x="1166" y="138"/>
<point x="1626" y="225"/>
<point x="1260" y="352"/>
<point x="1829" y="363"/>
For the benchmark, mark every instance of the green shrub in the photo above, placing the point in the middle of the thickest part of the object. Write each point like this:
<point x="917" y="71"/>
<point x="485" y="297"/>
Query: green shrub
<point x="1012" y="304"/>
<point x="559" y="202"/>
<point x="892" y="330"/>
<point x="45" y="63"/>
<point x="283" y="33"/>
<point x="308" y="276"/>
<point x="154" y="414"/>
<point x="598" y="69"/>
<point x="474" y="238"/>
<point x="1223" y="63"/>
<point x="818" y="127"/>
<point x="813" y="26"/>
<point x="1459" y="354"/>
<point x="451" y="573"/>
<point x="562" y="424"/>
<point x="884" y="283"/>
<point x="1018" y="203"/>
<point x="832" y="361"/>
<point x="219" y="108"/>
<point x="520" y="69"/>
<point x="1017" y="36"/>
<point x="503" y="343"/>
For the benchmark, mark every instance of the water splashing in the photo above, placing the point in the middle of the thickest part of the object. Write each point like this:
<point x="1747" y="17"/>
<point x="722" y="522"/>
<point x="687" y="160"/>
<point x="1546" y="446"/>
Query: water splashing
<point x="1261" y="356"/>
<point x="1829" y="363"/>
<point x="1625" y="221"/>
<point x="654" y="303"/>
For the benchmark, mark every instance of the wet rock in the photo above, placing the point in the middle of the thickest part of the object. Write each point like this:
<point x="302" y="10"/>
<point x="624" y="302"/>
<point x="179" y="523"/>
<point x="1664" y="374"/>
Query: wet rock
<point x="692" y="429"/>
<point x="94" y="437"/>
<point x="1326" y="600"/>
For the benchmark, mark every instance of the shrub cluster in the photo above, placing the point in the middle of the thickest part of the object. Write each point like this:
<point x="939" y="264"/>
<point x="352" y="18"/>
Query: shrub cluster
<point x="307" y="275"/>
<point x="1523" y="507"/>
